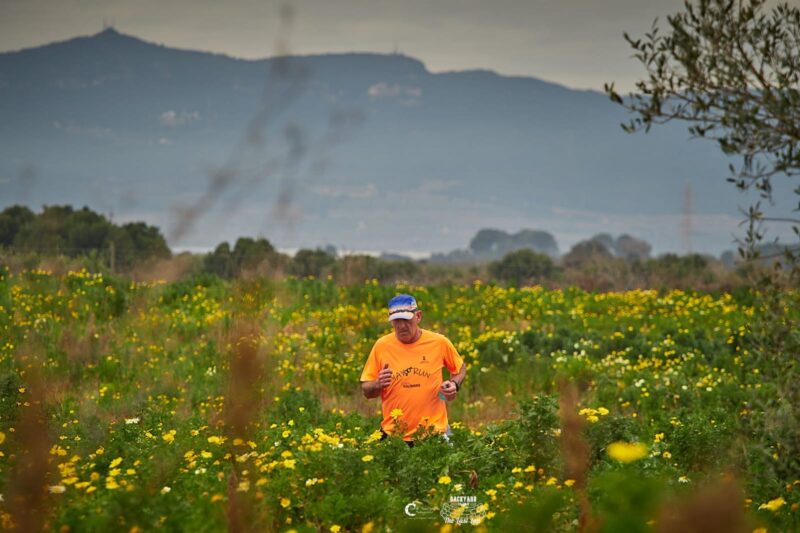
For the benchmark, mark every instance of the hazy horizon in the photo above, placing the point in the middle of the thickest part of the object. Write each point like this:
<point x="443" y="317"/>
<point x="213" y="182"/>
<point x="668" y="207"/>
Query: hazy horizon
<point x="577" y="43"/>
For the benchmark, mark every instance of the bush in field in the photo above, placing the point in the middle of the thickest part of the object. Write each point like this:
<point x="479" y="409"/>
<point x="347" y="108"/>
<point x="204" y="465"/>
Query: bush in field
<point x="354" y="269"/>
<point x="523" y="267"/>
<point x="311" y="263"/>
<point x="700" y="441"/>
<point x="585" y="252"/>
<point x="248" y="256"/>
<point x="532" y="436"/>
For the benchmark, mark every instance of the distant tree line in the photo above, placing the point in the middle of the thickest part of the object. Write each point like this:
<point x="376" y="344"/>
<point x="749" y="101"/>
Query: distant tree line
<point x="591" y="266"/>
<point x="528" y="257"/>
<point x="62" y="230"/>
<point x="258" y="257"/>
<point x="493" y="244"/>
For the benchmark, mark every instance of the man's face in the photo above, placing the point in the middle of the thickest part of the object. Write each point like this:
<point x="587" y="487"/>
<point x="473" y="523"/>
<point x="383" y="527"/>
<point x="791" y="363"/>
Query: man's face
<point x="407" y="331"/>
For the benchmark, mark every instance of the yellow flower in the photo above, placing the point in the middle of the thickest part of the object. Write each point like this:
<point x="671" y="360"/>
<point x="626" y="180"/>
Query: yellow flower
<point x="569" y="482"/>
<point x="335" y="528"/>
<point x="2" y="437"/>
<point x="115" y="463"/>
<point x="169" y="437"/>
<point x="367" y="458"/>
<point x="666" y="455"/>
<point x="625" y="452"/>
<point x="285" y="502"/>
<point x="444" y="480"/>
<point x="57" y="489"/>
<point x="773" y="505"/>
<point x="396" y="413"/>
<point x="376" y="436"/>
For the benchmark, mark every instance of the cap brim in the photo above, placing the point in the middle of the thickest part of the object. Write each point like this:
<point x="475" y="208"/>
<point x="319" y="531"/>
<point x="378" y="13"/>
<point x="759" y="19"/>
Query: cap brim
<point x="403" y="315"/>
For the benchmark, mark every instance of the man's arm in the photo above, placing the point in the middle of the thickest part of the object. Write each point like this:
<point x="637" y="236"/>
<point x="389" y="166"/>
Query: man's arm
<point x="371" y="389"/>
<point x="452" y="385"/>
<point x="461" y="375"/>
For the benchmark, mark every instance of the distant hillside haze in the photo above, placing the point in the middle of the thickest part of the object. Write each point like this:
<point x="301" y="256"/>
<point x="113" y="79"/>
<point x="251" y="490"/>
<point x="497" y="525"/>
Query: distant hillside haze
<point x="361" y="151"/>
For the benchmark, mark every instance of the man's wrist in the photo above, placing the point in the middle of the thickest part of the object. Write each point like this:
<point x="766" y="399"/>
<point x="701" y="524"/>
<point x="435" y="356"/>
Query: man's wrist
<point x="457" y="384"/>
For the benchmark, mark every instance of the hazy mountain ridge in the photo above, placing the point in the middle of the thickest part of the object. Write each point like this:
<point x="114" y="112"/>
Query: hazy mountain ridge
<point x="121" y="124"/>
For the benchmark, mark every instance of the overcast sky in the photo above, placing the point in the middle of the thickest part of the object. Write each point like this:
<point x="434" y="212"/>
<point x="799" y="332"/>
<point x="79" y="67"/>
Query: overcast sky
<point x="577" y="43"/>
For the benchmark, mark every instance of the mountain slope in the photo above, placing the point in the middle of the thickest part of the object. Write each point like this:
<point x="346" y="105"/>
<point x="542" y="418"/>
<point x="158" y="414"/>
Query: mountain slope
<point x="360" y="150"/>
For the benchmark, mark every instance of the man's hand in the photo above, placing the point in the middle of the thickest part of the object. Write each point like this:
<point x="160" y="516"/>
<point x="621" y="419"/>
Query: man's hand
<point x="373" y="389"/>
<point x="449" y="390"/>
<point x="385" y="377"/>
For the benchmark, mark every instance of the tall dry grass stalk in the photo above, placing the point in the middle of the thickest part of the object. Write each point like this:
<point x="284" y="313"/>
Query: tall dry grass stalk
<point x="575" y="451"/>
<point x="244" y="402"/>
<point x="716" y="508"/>
<point x="26" y="487"/>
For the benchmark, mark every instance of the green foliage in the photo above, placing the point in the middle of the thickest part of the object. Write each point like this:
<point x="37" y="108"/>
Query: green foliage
<point x="611" y="428"/>
<point x="12" y="219"/>
<point x="531" y="436"/>
<point x="523" y="267"/>
<point x="700" y="441"/>
<point x="586" y="252"/>
<point x="142" y="382"/>
<point x="61" y="230"/>
<point x="729" y="69"/>
<point x="311" y="263"/>
<point x="625" y="500"/>
<point x="248" y="256"/>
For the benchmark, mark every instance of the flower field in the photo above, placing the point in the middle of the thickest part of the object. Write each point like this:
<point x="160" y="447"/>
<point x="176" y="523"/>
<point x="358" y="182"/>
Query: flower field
<point x="205" y="405"/>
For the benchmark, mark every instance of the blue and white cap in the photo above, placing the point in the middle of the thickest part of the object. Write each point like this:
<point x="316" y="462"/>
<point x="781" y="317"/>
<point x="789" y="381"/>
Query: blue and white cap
<point x="402" y="306"/>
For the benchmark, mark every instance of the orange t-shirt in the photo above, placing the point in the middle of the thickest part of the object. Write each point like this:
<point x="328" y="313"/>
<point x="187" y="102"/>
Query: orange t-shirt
<point x="416" y="379"/>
